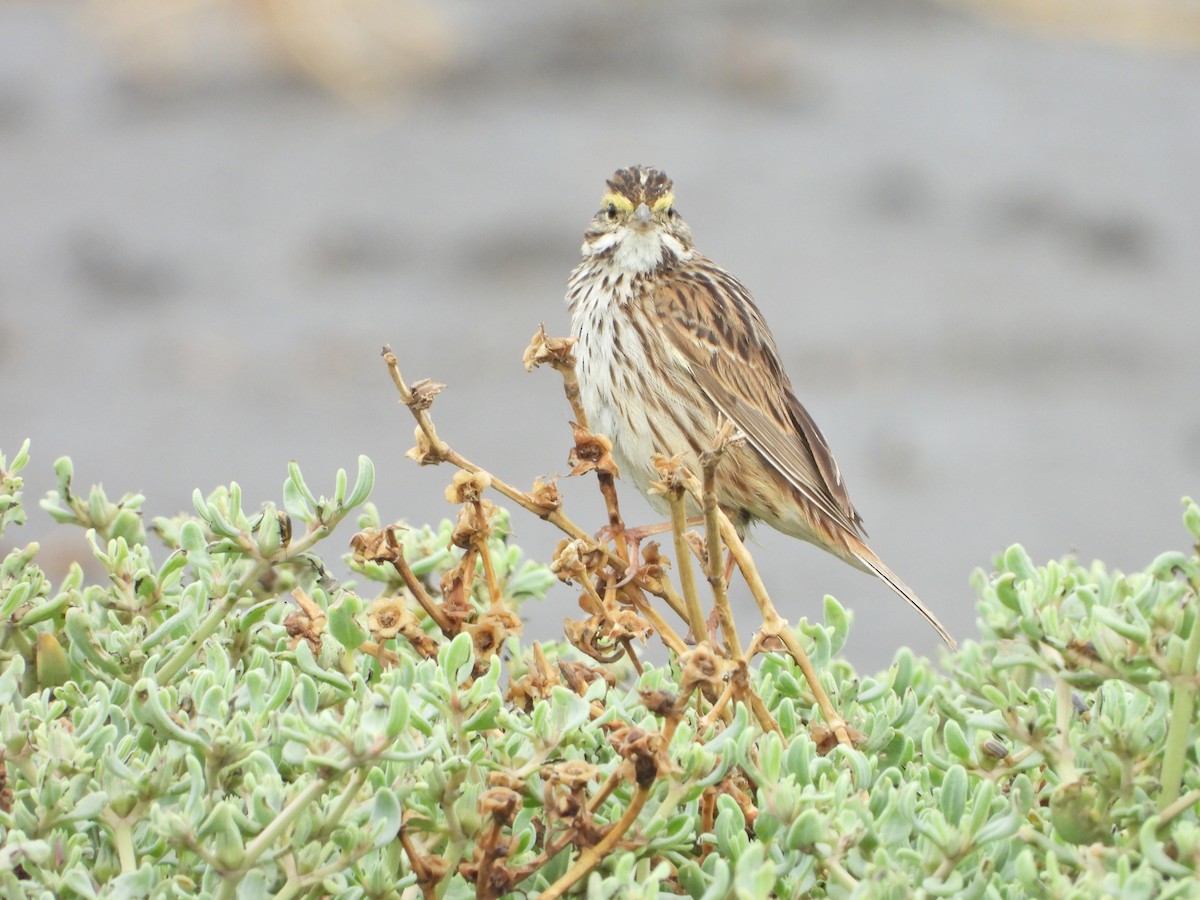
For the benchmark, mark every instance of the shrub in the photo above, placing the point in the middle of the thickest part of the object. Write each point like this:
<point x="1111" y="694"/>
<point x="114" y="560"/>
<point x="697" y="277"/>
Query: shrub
<point x="219" y="716"/>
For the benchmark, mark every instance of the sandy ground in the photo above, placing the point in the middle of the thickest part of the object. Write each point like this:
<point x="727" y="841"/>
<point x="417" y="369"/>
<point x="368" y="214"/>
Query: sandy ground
<point x="979" y="251"/>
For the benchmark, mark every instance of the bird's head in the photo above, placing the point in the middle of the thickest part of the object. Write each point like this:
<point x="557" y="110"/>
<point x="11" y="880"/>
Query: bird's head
<point x="637" y="228"/>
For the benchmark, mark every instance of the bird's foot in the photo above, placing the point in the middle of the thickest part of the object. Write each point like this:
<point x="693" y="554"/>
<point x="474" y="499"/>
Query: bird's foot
<point x="633" y="543"/>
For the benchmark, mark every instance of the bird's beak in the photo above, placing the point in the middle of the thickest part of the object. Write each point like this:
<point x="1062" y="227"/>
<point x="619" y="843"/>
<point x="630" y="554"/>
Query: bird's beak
<point x="641" y="216"/>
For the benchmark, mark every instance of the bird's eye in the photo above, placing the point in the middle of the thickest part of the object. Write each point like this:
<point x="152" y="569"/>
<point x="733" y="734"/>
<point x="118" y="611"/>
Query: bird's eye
<point x="672" y="214"/>
<point x="611" y="212"/>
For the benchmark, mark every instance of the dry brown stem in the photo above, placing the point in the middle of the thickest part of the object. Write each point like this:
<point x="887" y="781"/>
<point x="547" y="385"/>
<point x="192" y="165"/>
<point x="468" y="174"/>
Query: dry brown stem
<point x="645" y="759"/>
<point x="429" y="869"/>
<point x="308" y="624"/>
<point x="417" y="589"/>
<point x="669" y="636"/>
<point x="557" y="353"/>
<point x="673" y="488"/>
<point x="500" y="804"/>
<point x="618" y="612"/>
<point x="481" y="543"/>
<point x="432" y="450"/>
<point x="662" y="587"/>
<point x="773" y="623"/>
<point x="716" y="571"/>
<point x="381" y="545"/>
<point x="716" y="577"/>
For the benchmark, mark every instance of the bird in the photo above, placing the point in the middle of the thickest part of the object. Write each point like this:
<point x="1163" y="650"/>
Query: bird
<point x="671" y="349"/>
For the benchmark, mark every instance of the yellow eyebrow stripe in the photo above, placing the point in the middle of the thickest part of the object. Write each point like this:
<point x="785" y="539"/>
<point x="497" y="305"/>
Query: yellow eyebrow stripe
<point x="621" y="203"/>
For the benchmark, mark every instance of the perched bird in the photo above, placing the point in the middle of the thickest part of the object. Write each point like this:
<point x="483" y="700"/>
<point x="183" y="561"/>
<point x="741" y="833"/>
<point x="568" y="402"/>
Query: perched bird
<point x="670" y="346"/>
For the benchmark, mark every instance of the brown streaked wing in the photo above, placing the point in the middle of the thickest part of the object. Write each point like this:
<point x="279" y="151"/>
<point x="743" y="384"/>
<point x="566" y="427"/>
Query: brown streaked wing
<point x="709" y="317"/>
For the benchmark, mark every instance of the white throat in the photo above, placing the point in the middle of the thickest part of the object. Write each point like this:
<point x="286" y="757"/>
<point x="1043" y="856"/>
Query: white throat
<point x="637" y="251"/>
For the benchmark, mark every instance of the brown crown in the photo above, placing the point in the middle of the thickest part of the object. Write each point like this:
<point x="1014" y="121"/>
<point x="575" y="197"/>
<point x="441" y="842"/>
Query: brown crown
<point x="640" y="184"/>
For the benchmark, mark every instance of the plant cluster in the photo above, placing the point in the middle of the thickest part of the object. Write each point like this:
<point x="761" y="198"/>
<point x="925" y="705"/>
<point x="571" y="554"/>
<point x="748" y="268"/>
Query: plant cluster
<point x="220" y="716"/>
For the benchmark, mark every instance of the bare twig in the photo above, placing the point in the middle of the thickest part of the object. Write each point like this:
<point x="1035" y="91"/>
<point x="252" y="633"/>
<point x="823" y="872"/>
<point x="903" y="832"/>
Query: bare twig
<point x="615" y="588"/>
<point x="556" y="352"/>
<point x="661" y="586"/>
<point x="773" y="623"/>
<point x="719" y="707"/>
<point x="720" y="530"/>
<point x="432" y="450"/>
<point x="668" y="634"/>
<point x="683" y="560"/>
<point x="645" y="780"/>
<point x="610" y="784"/>
<point x="427" y="876"/>
<point x="417" y="589"/>
<point x="716" y="572"/>
<point x="483" y="532"/>
<point x="590" y="856"/>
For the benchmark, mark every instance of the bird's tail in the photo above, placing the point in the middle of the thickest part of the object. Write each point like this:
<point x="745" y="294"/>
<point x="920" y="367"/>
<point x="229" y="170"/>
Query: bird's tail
<point x="867" y="558"/>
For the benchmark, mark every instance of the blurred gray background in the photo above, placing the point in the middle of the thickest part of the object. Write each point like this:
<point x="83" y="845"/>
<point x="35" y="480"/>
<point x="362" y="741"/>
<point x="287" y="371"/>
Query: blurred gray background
<point x="976" y="237"/>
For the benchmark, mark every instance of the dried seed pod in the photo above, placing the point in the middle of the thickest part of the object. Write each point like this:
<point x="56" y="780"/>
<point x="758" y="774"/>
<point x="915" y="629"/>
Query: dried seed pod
<point x="501" y="803"/>
<point x="376" y="545"/>
<point x="660" y="703"/>
<point x="552" y="351"/>
<point x="505" y="778"/>
<point x="467" y="487"/>
<point x="592" y="452"/>
<point x="545" y="494"/>
<point x="588" y="636"/>
<point x="579" y="676"/>
<point x="474" y="523"/>
<point x="466" y="527"/>
<point x="645" y="750"/>
<point x="574" y="773"/>
<point x="563" y="794"/>
<point x="424" y="454"/>
<point x="457" y="607"/>
<point x="671" y="470"/>
<point x="492" y="629"/>
<point x="423" y="393"/>
<point x="386" y="617"/>
<point x="308" y="623"/>
<point x="627" y="625"/>
<point x="574" y="558"/>
<point x="702" y="667"/>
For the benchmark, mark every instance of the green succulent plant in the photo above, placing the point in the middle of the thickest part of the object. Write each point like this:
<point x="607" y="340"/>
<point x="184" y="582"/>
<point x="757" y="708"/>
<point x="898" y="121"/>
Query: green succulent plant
<point x="218" y="715"/>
